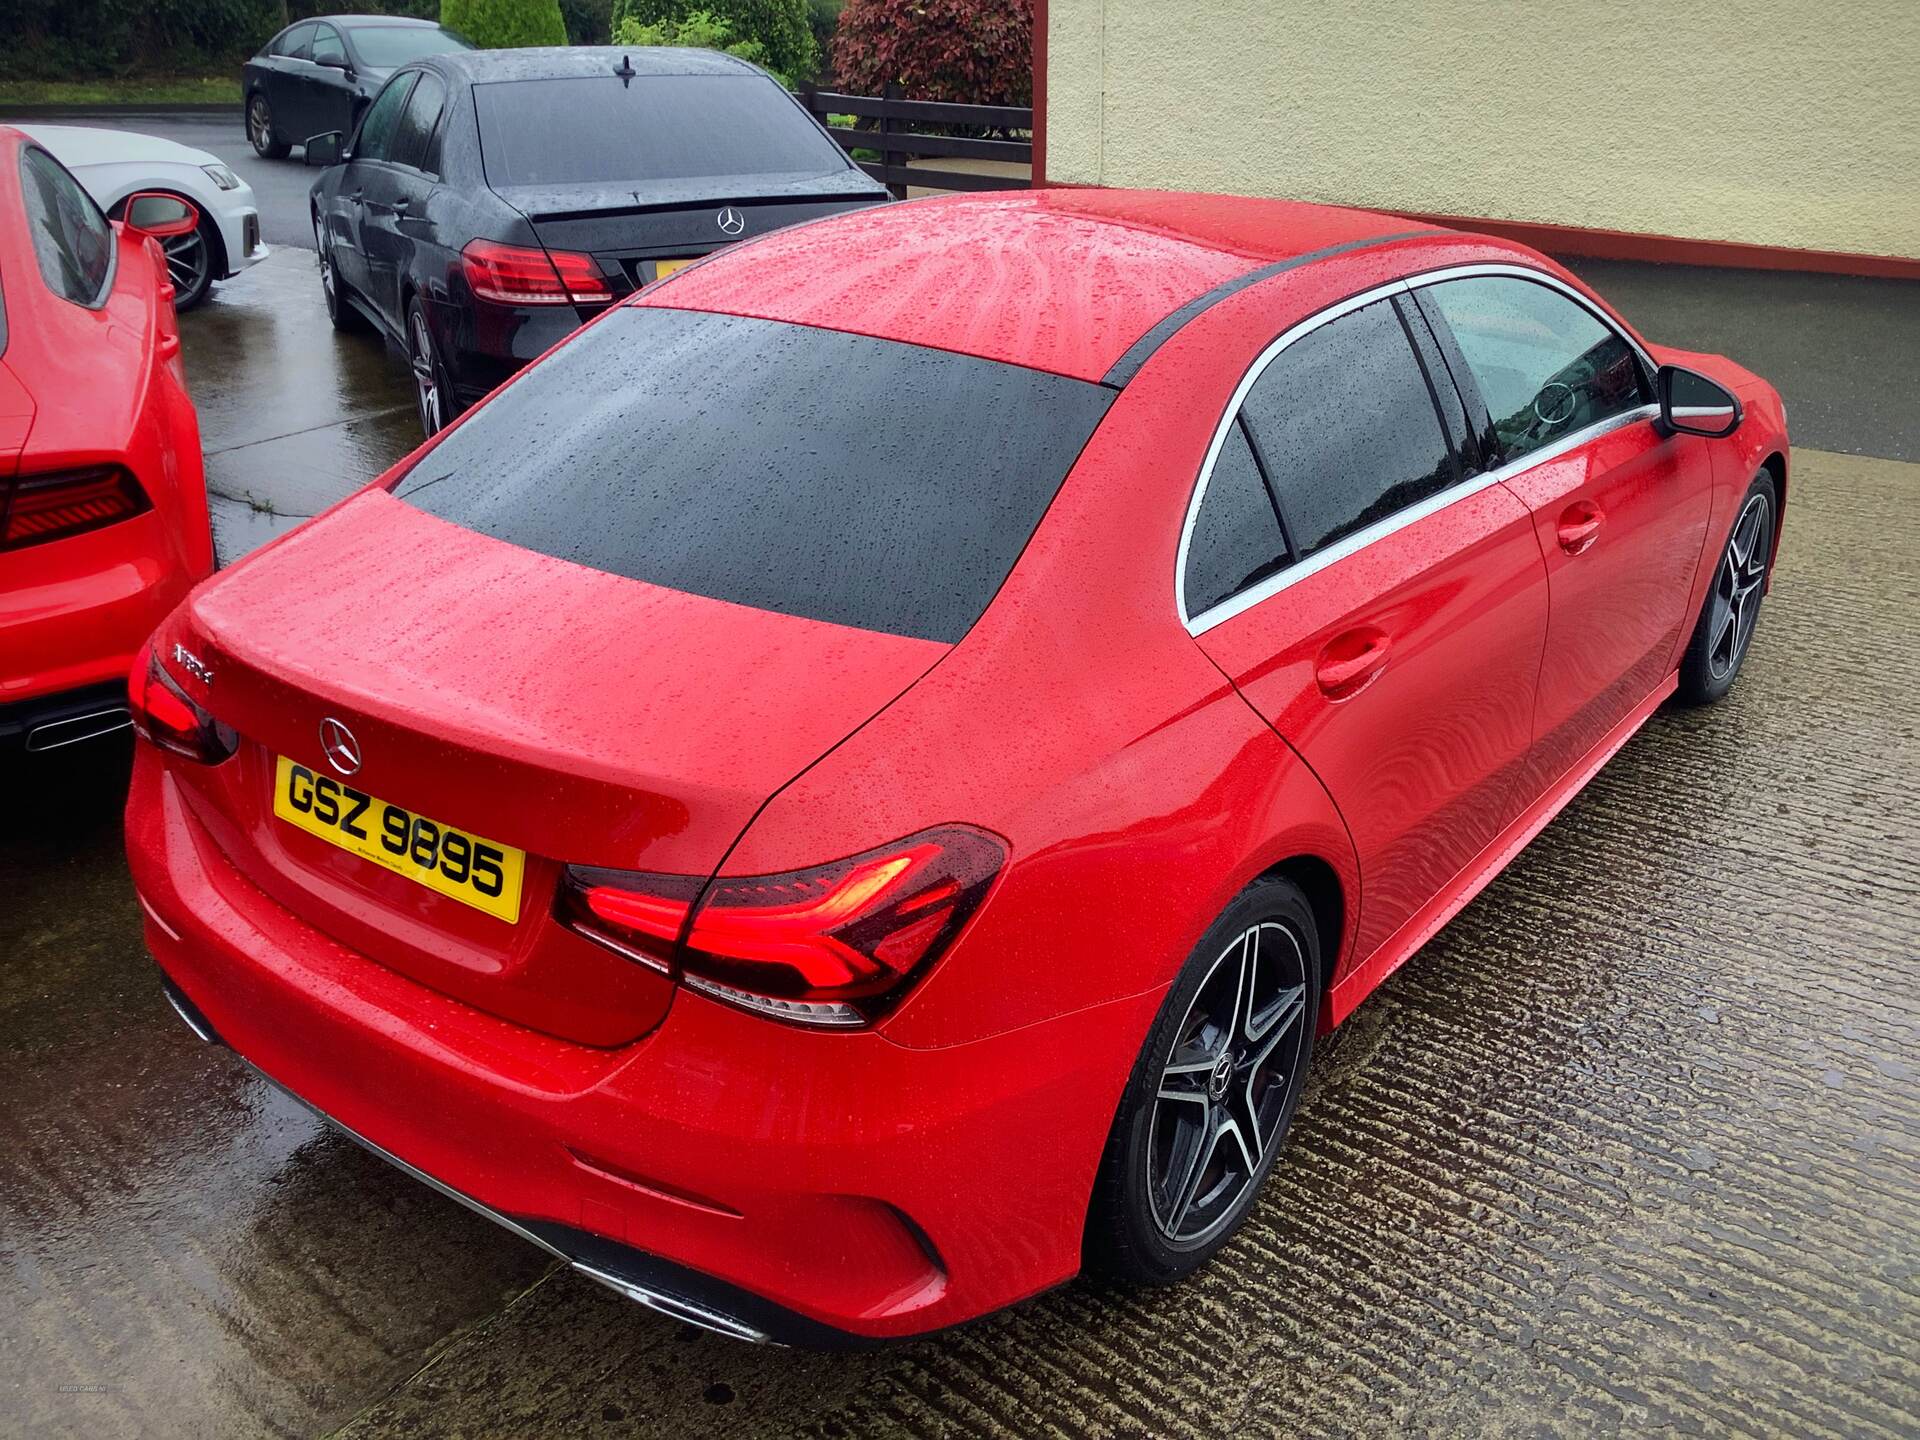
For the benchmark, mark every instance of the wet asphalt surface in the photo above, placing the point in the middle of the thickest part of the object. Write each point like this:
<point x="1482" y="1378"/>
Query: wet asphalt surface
<point x="1633" y="1146"/>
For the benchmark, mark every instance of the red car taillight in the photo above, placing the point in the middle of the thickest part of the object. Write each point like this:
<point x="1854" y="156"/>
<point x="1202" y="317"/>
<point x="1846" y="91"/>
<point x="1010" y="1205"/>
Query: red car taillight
<point x="163" y="713"/>
<point x="39" y="508"/>
<point x="517" y="275"/>
<point x="826" y="946"/>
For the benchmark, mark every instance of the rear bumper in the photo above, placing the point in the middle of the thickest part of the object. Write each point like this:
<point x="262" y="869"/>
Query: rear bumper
<point x="762" y="1180"/>
<point x="74" y="612"/>
<point x="489" y="344"/>
<point x="672" y="1290"/>
<point x="69" y="717"/>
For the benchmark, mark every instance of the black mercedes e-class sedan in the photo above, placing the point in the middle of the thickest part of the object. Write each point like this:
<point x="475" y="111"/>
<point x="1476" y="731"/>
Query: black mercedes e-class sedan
<point x="322" y="73"/>
<point x="492" y="200"/>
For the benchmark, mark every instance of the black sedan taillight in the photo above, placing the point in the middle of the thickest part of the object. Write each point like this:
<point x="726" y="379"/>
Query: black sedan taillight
<point x="38" y="508"/>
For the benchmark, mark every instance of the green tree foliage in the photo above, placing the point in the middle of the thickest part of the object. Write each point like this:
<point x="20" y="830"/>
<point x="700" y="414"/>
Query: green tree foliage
<point x="822" y="16"/>
<point x="779" y="27"/>
<point x="121" y="39"/>
<point x="504" y="24"/>
<point x="702" y="30"/>
<point x="589" y="22"/>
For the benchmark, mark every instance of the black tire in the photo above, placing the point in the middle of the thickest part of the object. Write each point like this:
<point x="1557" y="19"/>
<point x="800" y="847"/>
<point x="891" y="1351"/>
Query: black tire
<point x="1723" y="634"/>
<point x="436" y="406"/>
<point x="1162" y="1208"/>
<point x="260" y="132"/>
<point x="342" y="312"/>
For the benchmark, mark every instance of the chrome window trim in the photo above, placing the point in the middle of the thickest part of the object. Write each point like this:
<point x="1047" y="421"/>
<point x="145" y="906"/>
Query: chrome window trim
<point x="1539" y="277"/>
<point x="1246" y="599"/>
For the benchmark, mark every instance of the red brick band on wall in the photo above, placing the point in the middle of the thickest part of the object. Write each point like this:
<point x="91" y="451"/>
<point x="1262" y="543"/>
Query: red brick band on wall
<point x="1676" y="250"/>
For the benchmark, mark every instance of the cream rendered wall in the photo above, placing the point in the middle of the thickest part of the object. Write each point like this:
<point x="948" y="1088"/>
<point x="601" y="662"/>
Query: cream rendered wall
<point x="1774" y="122"/>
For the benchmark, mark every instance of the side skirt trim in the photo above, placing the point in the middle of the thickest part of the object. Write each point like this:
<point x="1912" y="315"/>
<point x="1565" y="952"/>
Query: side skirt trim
<point x="1426" y="922"/>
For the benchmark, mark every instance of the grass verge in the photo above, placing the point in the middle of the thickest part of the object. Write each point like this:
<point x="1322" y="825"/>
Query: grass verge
<point x="159" y="90"/>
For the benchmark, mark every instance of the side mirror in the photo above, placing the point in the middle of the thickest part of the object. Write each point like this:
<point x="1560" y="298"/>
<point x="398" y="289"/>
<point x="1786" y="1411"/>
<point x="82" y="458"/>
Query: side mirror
<point x="161" y="216"/>
<point x="1694" y="405"/>
<point x="337" y="62"/>
<point x="326" y="149"/>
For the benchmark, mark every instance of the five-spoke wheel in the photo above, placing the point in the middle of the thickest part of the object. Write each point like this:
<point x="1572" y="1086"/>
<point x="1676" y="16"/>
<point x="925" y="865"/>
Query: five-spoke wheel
<point x="1735" y="603"/>
<point x="1724" y="632"/>
<point x="1224" y="1086"/>
<point x="260" y="129"/>
<point x="1213" y="1090"/>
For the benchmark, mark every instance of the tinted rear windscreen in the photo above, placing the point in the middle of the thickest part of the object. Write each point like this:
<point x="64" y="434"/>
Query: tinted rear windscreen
<point x="859" y="481"/>
<point x="593" y="129"/>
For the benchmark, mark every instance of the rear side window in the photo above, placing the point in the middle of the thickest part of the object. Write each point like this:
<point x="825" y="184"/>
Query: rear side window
<point x="660" y="127"/>
<point x="1346" y="427"/>
<point x="859" y="481"/>
<point x="382" y="121"/>
<point x="413" y="139"/>
<point x="295" y="44"/>
<point x="71" y="238"/>
<point x="1236" y="540"/>
<point x="1546" y="365"/>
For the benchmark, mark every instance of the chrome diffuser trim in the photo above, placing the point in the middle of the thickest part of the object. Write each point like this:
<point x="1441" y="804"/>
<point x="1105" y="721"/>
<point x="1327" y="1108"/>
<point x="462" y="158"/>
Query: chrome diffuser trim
<point x="671" y="1306"/>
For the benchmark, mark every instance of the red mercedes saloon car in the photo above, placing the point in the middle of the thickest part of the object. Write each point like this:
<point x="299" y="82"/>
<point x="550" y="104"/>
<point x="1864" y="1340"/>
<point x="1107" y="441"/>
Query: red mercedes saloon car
<point x="103" y="508"/>
<point x="845" y="792"/>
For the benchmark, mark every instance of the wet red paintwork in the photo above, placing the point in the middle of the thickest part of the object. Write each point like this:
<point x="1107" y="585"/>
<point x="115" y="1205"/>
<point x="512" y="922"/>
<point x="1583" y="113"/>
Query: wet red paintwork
<point x="1139" y="777"/>
<point x="1060" y="280"/>
<point x="83" y="387"/>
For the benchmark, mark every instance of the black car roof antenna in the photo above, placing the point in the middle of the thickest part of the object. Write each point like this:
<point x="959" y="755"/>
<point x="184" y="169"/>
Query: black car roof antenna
<point x="625" y="71"/>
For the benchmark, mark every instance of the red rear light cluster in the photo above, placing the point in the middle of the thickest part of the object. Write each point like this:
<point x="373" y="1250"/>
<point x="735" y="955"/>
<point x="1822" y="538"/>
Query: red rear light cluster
<point x="522" y="275"/>
<point x="165" y="714"/>
<point x="832" y="945"/>
<point x="39" y="508"/>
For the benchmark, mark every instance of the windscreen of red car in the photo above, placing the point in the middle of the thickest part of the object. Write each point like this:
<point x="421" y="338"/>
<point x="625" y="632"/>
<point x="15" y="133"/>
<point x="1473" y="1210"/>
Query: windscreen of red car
<point x="859" y="481"/>
<point x="593" y="129"/>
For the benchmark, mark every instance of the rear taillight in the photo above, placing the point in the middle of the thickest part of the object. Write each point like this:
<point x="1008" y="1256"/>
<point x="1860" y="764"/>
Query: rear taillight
<point x="163" y="713"/>
<point x="833" y="945"/>
<point x="39" y="508"/>
<point x="518" y="275"/>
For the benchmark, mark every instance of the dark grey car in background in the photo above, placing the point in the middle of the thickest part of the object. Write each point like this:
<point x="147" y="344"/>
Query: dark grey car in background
<point x="321" y="74"/>
<point x="493" y="200"/>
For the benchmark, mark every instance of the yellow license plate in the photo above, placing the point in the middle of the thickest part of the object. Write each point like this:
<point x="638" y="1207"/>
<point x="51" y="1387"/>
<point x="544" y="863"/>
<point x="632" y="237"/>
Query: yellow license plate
<point x="664" y="268"/>
<point x="463" y="867"/>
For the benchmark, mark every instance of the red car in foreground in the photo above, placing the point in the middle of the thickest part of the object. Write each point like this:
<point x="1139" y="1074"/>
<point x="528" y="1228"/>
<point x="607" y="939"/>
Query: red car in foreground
<point x="103" y="508"/>
<point x="847" y="790"/>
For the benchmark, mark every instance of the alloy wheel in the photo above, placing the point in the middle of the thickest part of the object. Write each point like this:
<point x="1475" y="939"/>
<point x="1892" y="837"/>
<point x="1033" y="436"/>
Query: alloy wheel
<point x="1737" y="586"/>
<point x="188" y="261"/>
<point x="426" y="373"/>
<point x="326" y="267"/>
<point x="1225" y="1083"/>
<point x="259" y="124"/>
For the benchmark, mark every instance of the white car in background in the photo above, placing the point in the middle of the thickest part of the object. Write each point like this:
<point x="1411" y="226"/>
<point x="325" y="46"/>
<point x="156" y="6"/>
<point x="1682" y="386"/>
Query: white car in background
<point x="113" y="164"/>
